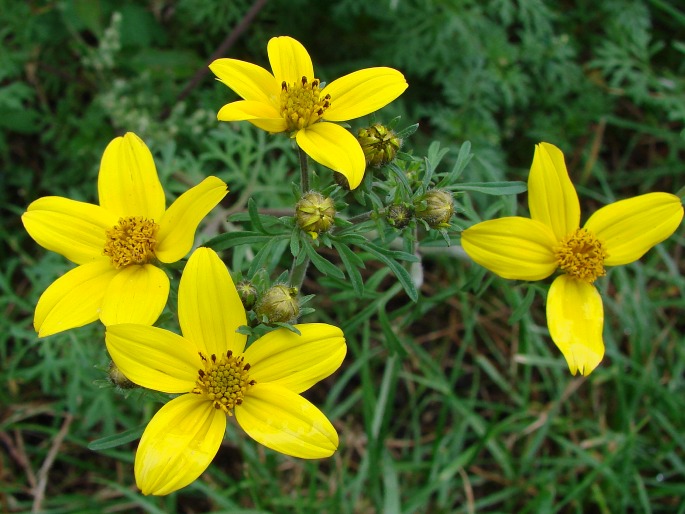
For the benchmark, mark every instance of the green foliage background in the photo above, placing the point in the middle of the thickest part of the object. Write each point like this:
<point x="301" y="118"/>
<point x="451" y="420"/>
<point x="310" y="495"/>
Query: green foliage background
<point x="457" y="403"/>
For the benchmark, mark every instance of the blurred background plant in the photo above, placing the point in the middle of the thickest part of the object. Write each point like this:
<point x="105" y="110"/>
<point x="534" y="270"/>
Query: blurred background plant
<point x="456" y="403"/>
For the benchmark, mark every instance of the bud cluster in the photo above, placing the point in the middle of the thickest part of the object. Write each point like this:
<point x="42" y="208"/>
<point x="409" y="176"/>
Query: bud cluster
<point x="436" y="207"/>
<point x="314" y="213"/>
<point x="279" y="304"/>
<point x="379" y="144"/>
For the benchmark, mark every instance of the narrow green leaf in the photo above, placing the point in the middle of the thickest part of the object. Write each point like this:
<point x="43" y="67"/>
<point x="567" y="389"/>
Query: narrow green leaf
<point x="257" y="218"/>
<point x="523" y="308"/>
<point x="112" y="441"/>
<point x="352" y="263"/>
<point x="491" y="188"/>
<point x="323" y="265"/>
<point x="463" y="159"/>
<point x="268" y="252"/>
<point x="402" y="274"/>
<point x="231" y="239"/>
<point x="407" y="131"/>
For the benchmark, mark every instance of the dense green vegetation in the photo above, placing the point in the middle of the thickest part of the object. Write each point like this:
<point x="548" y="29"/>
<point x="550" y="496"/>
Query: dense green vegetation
<point x="458" y="402"/>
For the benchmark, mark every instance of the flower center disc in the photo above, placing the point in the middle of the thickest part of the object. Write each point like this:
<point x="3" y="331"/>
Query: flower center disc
<point x="301" y="104"/>
<point x="224" y="381"/>
<point x="581" y="255"/>
<point x="131" y="241"/>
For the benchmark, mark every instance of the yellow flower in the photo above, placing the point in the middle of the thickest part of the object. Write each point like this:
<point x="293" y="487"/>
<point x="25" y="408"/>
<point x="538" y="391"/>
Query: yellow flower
<point x="291" y="100"/>
<point x="532" y="249"/>
<point x="116" y="243"/>
<point x="209" y="363"/>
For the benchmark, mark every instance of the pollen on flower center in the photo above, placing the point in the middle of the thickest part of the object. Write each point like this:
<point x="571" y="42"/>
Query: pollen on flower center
<point x="581" y="255"/>
<point x="224" y="381"/>
<point x="301" y="103"/>
<point x="131" y="241"/>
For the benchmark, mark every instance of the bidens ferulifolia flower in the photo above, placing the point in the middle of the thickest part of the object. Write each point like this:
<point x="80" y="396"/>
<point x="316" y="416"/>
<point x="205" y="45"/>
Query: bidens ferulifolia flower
<point x="533" y="249"/>
<point x="291" y="100"/>
<point x="209" y="363"/>
<point x="117" y="243"/>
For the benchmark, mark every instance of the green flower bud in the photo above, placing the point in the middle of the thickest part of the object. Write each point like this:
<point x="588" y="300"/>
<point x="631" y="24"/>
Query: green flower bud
<point x="436" y="208"/>
<point x="117" y="378"/>
<point x="379" y="144"/>
<point x="314" y="213"/>
<point x="279" y="305"/>
<point x="398" y="215"/>
<point x="248" y="293"/>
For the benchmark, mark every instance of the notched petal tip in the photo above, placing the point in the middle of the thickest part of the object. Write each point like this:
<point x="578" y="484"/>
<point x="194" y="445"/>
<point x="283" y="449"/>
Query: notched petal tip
<point x="178" y="445"/>
<point x="575" y="318"/>
<point x="552" y="198"/>
<point x="128" y="184"/>
<point x="287" y="423"/>
<point x="582" y="359"/>
<point x="630" y="228"/>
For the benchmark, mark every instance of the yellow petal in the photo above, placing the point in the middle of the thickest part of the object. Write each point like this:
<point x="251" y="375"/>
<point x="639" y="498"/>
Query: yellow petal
<point x="178" y="224"/>
<point x="334" y="147"/>
<point x="137" y="294"/>
<point x="513" y="247"/>
<point x="128" y="184"/>
<point x="297" y="362"/>
<point x="629" y="228"/>
<point x="209" y="308"/>
<point x="178" y="444"/>
<point x="552" y="199"/>
<point x="362" y="92"/>
<point x="248" y="80"/>
<point x="575" y="317"/>
<point x="74" y="299"/>
<point x="153" y="357"/>
<point x="289" y="60"/>
<point x="262" y="115"/>
<point x="284" y="421"/>
<point x="70" y="228"/>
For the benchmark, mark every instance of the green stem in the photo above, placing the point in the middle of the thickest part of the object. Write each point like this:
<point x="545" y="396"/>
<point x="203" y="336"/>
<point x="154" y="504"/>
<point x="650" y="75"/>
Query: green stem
<point x="304" y="170"/>
<point x="360" y="218"/>
<point x="299" y="271"/>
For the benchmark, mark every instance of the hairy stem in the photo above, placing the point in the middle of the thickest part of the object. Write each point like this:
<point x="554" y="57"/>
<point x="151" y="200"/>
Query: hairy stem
<point x="304" y="170"/>
<point x="299" y="271"/>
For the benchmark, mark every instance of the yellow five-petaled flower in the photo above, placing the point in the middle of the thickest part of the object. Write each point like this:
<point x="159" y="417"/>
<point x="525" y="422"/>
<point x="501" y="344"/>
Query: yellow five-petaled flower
<point x="292" y="100"/>
<point x="117" y="243"/>
<point x="533" y="249"/>
<point x="219" y="377"/>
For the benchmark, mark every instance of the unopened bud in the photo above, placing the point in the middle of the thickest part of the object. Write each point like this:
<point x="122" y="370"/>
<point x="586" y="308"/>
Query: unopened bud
<point x="379" y="144"/>
<point x="398" y="215"/>
<point x="278" y="305"/>
<point x="341" y="180"/>
<point x="248" y="293"/>
<point x="314" y="213"/>
<point x="436" y="208"/>
<point x="118" y="378"/>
